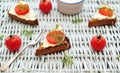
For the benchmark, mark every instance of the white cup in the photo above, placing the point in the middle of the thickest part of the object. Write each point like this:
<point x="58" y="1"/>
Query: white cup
<point x="70" y="6"/>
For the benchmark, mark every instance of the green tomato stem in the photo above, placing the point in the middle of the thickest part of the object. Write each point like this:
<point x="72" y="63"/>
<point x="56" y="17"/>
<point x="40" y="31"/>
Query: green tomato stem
<point x="44" y="0"/>
<point x="98" y="36"/>
<point x="11" y="36"/>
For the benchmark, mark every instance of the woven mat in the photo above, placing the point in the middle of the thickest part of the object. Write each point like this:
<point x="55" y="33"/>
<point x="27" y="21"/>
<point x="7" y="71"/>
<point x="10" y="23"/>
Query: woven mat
<point x="85" y="60"/>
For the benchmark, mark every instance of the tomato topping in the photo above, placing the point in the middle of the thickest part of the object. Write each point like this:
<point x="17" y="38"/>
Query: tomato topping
<point x="55" y="37"/>
<point x="22" y="9"/>
<point x="106" y="11"/>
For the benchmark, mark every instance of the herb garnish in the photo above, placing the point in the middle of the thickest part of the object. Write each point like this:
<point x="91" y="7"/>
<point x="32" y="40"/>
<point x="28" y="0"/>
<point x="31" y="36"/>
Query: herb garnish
<point x="77" y="20"/>
<point x="27" y="33"/>
<point x="1" y="36"/>
<point x="118" y="56"/>
<point x="60" y="39"/>
<point x="57" y="26"/>
<point x="67" y="60"/>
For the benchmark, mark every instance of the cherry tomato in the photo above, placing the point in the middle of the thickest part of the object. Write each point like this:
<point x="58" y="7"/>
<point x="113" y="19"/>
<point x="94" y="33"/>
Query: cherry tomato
<point x="13" y="42"/>
<point x="98" y="42"/>
<point x="55" y="36"/>
<point x="45" y="6"/>
<point x="106" y="11"/>
<point x="22" y="9"/>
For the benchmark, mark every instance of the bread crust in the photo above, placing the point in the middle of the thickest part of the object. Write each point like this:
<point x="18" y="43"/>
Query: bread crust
<point x="35" y="22"/>
<point x="94" y="22"/>
<point x="44" y="51"/>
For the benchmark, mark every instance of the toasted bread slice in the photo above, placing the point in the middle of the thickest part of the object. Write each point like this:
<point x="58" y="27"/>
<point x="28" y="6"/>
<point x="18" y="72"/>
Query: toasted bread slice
<point x="95" y="22"/>
<point x="31" y="22"/>
<point x="44" y="51"/>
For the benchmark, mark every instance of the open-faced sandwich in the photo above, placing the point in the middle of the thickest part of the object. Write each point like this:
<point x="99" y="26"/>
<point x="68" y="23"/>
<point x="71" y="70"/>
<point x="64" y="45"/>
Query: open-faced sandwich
<point x="23" y="13"/>
<point x="104" y="16"/>
<point x="55" y="41"/>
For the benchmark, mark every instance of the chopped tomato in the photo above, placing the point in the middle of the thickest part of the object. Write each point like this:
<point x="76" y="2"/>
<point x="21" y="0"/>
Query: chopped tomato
<point x="106" y="11"/>
<point x="55" y="37"/>
<point x="22" y="9"/>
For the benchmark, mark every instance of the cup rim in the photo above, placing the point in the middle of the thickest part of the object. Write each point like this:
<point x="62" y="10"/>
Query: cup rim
<point x="72" y="3"/>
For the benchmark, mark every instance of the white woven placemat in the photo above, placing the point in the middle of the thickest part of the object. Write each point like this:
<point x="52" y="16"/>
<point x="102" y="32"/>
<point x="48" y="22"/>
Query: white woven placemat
<point x="84" y="59"/>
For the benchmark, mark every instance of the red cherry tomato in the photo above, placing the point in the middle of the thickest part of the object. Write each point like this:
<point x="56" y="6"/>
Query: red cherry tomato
<point x="98" y="42"/>
<point x="45" y="6"/>
<point x="106" y="11"/>
<point x="13" y="42"/>
<point x="22" y="9"/>
<point x="55" y="36"/>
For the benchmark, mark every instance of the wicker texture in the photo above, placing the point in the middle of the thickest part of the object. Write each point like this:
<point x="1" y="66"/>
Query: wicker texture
<point x="84" y="59"/>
